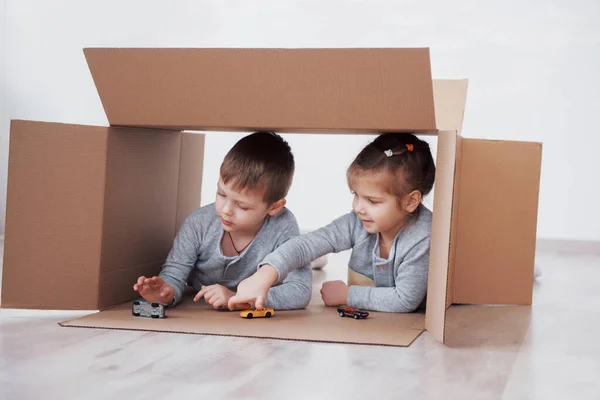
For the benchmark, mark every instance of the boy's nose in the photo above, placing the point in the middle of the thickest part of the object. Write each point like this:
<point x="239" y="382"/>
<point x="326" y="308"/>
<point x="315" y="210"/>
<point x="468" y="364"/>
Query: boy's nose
<point x="359" y="209"/>
<point x="227" y="209"/>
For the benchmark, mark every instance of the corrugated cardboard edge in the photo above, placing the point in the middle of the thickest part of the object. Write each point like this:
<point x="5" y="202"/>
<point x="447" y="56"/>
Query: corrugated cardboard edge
<point x="455" y="219"/>
<point x="437" y="287"/>
<point x="73" y="324"/>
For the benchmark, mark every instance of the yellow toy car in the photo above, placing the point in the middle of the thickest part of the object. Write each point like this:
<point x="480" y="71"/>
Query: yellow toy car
<point x="265" y="312"/>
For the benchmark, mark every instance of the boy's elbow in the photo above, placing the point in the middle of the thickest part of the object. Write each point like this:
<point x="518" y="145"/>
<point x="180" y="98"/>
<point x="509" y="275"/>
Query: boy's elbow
<point x="303" y="298"/>
<point x="305" y="301"/>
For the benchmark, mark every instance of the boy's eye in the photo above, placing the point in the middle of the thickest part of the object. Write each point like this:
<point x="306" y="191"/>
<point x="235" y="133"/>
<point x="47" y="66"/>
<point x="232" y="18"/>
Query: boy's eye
<point x="220" y="194"/>
<point x="372" y="201"/>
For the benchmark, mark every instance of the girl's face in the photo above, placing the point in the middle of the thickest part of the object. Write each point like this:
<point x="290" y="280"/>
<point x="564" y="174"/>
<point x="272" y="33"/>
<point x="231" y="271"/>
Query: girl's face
<point x="378" y="210"/>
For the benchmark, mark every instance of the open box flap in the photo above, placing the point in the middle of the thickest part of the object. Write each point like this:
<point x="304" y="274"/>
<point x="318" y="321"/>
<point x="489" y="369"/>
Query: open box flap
<point x="96" y="207"/>
<point x="53" y="225"/>
<point x="345" y="90"/>
<point x="497" y="222"/>
<point x="450" y="98"/>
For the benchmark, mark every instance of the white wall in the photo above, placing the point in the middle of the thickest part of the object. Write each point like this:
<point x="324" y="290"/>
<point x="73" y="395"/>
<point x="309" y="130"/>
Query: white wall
<point x="533" y="70"/>
<point x="3" y="114"/>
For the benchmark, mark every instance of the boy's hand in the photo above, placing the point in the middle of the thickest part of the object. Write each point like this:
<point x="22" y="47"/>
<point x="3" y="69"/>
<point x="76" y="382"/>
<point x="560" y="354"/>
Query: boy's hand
<point x="154" y="290"/>
<point x="254" y="289"/>
<point x="215" y="295"/>
<point x="334" y="293"/>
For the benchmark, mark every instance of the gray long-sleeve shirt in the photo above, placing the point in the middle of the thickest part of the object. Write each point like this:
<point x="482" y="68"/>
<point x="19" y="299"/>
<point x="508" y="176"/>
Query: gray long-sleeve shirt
<point x="197" y="258"/>
<point x="400" y="280"/>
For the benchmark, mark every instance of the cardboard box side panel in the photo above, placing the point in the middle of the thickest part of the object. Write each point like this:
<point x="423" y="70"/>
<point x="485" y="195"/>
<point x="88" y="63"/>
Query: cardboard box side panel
<point x="55" y="198"/>
<point x="440" y="235"/>
<point x="497" y="222"/>
<point x="190" y="175"/>
<point x="116" y="286"/>
<point x="455" y="218"/>
<point x="140" y="205"/>
<point x="450" y="98"/>
<point x="312" y="89"/>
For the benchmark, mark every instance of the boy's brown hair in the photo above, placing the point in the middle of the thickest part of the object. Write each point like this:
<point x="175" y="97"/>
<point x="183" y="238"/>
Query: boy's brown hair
<point x="260" y="161"/>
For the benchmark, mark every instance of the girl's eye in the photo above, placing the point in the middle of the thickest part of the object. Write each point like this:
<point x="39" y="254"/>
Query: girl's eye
<point x="220" y="194"/>
<point x="243" y="208"/>
<point x="372" y="202"/>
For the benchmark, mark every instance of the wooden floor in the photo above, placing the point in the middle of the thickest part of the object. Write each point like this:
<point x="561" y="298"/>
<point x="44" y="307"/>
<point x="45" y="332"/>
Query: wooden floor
<point x="548" y="351"/>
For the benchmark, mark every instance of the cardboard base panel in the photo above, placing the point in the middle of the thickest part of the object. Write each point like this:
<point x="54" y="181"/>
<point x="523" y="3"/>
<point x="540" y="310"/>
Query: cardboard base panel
<point x="316" y="323"/>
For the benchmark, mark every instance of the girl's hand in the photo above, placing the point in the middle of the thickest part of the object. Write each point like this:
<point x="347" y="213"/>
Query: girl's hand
<point x="253" y="290"/>
<point x="334" y="293"/>
<point x="216" y="295"/>
<point x="154" y="290"/>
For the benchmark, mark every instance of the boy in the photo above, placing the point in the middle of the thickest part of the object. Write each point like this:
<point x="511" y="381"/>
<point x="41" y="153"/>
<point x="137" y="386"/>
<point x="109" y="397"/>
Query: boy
<point x="222" y="243"/>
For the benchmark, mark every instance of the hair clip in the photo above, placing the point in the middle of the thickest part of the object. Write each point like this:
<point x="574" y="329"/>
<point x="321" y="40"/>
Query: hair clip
<point x="410" y="147"/>
<point x="388" y="152"/>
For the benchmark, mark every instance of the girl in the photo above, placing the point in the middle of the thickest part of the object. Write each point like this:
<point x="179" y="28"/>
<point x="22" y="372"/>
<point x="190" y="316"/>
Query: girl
<point x="388" y="231"/>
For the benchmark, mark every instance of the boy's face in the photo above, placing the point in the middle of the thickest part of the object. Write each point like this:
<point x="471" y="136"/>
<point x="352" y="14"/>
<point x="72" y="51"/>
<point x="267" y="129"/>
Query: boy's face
<point x="242" y="211"/>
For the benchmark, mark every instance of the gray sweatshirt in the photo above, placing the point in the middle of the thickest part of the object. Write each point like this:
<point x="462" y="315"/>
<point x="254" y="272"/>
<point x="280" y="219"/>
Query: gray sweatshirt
<point x="197" y="258"/>
<point x="400" y="280"/>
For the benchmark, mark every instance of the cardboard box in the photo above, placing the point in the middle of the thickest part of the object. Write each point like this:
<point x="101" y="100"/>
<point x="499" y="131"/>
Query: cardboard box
<point x="90" y="208"/>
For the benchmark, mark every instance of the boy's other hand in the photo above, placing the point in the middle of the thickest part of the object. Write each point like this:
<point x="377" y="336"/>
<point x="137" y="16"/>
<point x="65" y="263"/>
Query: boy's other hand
<point x="216" y="295"/>
<point x="254" y="289"/>
<point x="334" y="293"/>
<point x="154" y="290"/>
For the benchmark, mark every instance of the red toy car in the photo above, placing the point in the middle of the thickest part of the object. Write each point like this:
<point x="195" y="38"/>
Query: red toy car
<point x="351" y="312"/>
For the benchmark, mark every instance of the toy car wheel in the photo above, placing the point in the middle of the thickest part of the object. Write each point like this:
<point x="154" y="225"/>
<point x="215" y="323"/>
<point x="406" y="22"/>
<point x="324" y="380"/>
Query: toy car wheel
<point x="341" y="314"/>
<point x="268" y="315"/>
<point x="135" y="314"/>
<point x="154" y="316"/>
<point x="136" y="302"/>
<point x="250" y="316"/>
<point x="155" y="305"/>
<point x="356" y="316"/>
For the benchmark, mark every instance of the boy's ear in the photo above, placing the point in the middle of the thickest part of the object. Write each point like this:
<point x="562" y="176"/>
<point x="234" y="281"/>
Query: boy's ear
<point x="412" y="201"/>
<point x="276" y="207"/>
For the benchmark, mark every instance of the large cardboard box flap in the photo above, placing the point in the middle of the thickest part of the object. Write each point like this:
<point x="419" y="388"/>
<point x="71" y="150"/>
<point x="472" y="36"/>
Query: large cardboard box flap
<point x="497" y="222"/>
<point x="484" y="226"/>
<point x="314" y="90"/>
<point x="89" y="209"/>
<point x="450" y="98"/>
